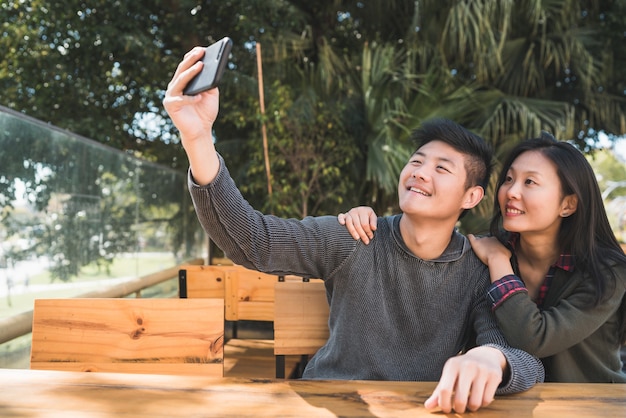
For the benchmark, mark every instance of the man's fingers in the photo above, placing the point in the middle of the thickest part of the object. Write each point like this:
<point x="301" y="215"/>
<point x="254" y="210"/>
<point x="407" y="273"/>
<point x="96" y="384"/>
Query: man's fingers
<point x="445" y="388"/>
<point x="189" y="60"/>
<point x="185" y="71"/>
<point x="490" y="390"/>
<point x="432" y="403"/>
<point x="462" y="391"/>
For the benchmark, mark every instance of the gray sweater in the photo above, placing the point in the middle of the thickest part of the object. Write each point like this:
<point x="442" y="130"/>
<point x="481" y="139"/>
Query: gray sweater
<point x="393" y="316"/>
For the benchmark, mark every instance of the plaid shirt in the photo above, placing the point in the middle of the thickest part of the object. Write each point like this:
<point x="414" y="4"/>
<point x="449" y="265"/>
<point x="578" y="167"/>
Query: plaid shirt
<point x="502" y="289"/>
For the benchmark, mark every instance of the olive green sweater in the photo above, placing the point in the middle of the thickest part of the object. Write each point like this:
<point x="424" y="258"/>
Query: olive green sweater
<point x="576" y="343"/>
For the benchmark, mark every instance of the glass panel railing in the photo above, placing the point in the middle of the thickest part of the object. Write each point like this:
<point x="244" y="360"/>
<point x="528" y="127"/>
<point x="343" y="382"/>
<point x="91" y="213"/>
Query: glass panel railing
<point x="78" y="215"/>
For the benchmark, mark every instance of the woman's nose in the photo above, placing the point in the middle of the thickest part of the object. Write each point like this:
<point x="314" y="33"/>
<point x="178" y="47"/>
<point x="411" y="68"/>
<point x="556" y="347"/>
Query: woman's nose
<point x="512" y="190"/>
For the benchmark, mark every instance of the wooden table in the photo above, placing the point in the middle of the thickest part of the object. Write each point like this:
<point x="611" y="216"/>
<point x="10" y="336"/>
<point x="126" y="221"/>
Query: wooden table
<point x="35" y="393"/>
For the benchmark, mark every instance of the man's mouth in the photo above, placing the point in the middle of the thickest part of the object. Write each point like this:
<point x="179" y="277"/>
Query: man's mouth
<point x="419" y="191"/>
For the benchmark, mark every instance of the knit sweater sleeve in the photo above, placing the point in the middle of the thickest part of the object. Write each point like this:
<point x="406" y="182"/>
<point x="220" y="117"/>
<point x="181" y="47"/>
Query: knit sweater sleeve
<point x="525" y="370"/>
<point x="311" y="247"/>
<point x="567" y="319"/>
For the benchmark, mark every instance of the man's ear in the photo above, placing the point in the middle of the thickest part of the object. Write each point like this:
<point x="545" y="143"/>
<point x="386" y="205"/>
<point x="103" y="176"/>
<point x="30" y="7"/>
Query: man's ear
<point x="473" y="196"/>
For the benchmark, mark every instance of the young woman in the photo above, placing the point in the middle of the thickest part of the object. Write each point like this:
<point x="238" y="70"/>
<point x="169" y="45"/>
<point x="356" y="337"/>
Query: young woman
<point x="558" y="273"/>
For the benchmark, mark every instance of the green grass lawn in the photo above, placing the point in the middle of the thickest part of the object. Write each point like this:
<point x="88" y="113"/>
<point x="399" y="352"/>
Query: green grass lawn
<point x="91" y="278"/>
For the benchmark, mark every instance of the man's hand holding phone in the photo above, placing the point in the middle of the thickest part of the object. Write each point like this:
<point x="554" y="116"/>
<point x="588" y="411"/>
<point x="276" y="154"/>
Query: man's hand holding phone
<point x="199" y="72"/>
<point x="194" y="116"/>
<point x="214" y="63"/>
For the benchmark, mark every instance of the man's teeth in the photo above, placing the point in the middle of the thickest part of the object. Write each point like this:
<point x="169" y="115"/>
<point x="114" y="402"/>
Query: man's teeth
<point x="413" y="189"/>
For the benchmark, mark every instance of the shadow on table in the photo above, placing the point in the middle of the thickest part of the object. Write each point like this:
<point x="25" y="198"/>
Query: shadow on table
<point x="346" y="401"/>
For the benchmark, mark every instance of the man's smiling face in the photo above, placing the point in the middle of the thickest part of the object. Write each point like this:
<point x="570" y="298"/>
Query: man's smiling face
<point x="432" y="184"/>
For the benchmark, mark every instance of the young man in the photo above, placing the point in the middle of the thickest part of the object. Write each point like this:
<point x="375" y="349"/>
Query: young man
<point x="401" y="308"/>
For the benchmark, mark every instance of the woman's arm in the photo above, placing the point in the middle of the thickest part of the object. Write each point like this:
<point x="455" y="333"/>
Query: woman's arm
<point x="565" y="322"/>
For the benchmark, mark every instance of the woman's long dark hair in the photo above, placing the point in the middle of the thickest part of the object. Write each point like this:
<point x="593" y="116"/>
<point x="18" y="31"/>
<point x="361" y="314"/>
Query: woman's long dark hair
<point x="586" y="234"/>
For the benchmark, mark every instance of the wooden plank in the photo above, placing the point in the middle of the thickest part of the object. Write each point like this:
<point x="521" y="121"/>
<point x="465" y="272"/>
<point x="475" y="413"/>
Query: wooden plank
<point x="182" y="369"/>
<point x="253" y="358"/>
<point x="301" y="317"/>
<point x="249" y="295"/>
<point x="34" y="393"/>
<point x="202" y="281"/>
<point x="179" y="336"/>
<point x="221" y="261"/>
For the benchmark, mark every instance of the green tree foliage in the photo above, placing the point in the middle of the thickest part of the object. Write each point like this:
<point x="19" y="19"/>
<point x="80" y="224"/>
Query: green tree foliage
<point x="505" y="69"/>
<point x="89" y="68"/>
<point x="311" y="152"/>
<point x="609" y="170"/>
<point x="611" y="175"/>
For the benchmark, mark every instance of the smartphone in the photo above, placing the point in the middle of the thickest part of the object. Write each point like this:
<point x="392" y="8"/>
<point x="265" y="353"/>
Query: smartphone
<point x="215" y="58"/>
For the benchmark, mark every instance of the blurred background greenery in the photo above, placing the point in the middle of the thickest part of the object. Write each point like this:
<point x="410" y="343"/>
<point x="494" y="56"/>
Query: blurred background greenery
<point x="92" y="175"/>
<point x="344" y="83"/>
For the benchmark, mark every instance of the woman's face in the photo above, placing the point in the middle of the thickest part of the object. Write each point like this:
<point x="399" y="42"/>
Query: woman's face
<point x="530" y="199"/>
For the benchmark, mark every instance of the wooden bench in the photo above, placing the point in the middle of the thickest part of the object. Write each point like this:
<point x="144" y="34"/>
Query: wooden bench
<point x="200" y="281"/>
<point x="165" y="336"/>
<point x="300" y="321"/>
<point x="248" y="296"/>
<point x="250" y="358"/>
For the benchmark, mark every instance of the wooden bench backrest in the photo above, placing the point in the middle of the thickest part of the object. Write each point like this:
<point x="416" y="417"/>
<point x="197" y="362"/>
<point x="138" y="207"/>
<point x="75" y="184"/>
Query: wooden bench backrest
<point x="165" y="336"/>
<point x="247" y="294"/>
<point x="202" y="281"/>
<point x="301" y="317"/>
